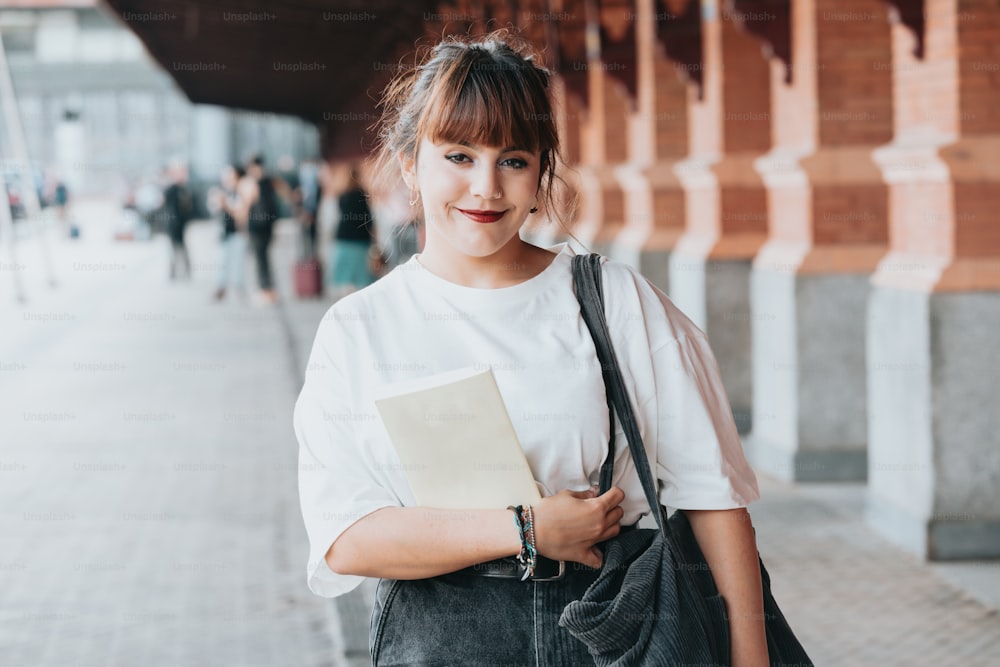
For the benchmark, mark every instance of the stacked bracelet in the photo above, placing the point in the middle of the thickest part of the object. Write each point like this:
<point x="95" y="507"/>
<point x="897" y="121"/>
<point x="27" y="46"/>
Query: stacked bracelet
<point x="522" y="534"/>
<point x="529" y="527"/>
<point x="528" y="555"/>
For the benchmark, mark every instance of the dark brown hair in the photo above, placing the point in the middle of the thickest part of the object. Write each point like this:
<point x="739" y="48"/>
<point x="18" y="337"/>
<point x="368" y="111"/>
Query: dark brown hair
<point x="487" y="90"/>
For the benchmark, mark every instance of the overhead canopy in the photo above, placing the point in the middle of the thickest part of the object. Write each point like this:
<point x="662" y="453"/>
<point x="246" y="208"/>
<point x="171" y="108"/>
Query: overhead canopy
<point x="322" y="60"/>
<point x="327" y="61"/>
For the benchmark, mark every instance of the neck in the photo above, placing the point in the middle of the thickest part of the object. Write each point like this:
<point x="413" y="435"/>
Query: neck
<point x="514" y="263"/>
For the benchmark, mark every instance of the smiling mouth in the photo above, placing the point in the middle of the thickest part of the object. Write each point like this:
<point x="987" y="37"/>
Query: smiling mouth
<point x="483" y="216"/>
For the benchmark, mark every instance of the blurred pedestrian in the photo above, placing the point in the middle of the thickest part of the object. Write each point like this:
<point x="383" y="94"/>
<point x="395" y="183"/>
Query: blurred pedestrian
<point x="352" y="254"/>
<point x="327" y="210"/>
<point x="234" y="234"/>
<point x="262" y="210"/>
<point x="308" y="201"/>
<point x="55" y="193"/>
<point x="178" y="202"/>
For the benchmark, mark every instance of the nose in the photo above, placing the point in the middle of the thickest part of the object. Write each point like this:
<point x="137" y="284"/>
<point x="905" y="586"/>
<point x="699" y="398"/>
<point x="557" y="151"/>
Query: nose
<point x="485" y="181"/>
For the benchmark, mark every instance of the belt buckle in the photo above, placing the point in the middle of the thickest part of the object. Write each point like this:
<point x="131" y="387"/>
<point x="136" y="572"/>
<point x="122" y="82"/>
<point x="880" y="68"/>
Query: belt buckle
<point x="562" y="573"/>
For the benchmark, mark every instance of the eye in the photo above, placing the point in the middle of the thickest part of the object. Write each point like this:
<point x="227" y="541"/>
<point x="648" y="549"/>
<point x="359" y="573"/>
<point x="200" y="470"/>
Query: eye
<point x="457" y="158"/>
<point x="514" y="163"/>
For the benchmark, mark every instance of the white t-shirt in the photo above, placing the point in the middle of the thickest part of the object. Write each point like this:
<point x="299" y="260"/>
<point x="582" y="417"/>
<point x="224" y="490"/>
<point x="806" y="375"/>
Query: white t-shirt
<point x="413" y="323"/>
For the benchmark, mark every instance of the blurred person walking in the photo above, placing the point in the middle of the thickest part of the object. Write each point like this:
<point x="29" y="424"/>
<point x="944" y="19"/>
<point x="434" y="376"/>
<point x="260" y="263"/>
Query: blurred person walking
<point x="178" y="203"/>
<point x="308" y="270"/>
<point x="261" y="202"/>
<point x="327" y="211"/>
<point x="234" y="234"/>
<point x="55" y="193"/>
<point x="308" y="196"/>
<point x="353" y="250"/>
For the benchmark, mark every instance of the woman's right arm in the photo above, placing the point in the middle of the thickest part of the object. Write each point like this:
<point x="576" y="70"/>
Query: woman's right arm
<point x="356" y="524"/>
<point x="421" y="542"/>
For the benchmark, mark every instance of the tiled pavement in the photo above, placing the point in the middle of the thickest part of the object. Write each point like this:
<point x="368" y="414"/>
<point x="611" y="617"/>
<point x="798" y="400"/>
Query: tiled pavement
<point x="148" y="512"/>
<point x="853" y="599"/>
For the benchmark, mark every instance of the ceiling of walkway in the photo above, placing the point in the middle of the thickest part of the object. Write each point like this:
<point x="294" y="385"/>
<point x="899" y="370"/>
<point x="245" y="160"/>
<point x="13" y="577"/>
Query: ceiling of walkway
<point x="321" y="60"/>
<point x="327" y="60"/>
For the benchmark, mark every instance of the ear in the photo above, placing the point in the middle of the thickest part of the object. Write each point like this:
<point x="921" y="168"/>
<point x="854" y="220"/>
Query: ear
<point x="408" y="168"/>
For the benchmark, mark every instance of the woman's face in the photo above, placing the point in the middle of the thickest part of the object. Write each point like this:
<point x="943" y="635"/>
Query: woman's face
<point x="475" y="198"/>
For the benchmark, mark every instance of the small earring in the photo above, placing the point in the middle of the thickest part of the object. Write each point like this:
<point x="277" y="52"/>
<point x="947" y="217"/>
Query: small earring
<point x="416" y="197"/>
<point x="533" y="209"/>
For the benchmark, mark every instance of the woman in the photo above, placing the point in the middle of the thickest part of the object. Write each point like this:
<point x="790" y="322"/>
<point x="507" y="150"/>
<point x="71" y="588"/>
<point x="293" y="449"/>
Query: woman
<point x="234" y="239"/>
<point x="472" y="132"/>
<point x="179" y="204"/>
<point x="354" y="240"/>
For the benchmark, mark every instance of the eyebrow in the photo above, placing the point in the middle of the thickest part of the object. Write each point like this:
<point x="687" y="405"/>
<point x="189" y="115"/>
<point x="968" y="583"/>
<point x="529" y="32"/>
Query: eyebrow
<point x="508" y="149"/>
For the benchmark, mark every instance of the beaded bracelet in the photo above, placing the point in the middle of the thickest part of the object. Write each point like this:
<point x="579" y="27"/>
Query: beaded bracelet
<point x="529" y="525"/>
<point x="524" y="519"/>
<point x="521" y="532"/>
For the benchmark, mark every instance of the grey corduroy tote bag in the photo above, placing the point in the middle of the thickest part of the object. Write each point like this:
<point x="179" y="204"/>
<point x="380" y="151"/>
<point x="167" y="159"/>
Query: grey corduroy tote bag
<point x="655" y="601"/>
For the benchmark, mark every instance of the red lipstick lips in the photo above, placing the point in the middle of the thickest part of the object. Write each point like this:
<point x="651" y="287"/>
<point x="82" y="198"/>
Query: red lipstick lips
<point x="483" y="216"/>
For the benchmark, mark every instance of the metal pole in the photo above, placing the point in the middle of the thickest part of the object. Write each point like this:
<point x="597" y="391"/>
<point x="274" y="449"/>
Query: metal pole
<point x="12" y="116"/>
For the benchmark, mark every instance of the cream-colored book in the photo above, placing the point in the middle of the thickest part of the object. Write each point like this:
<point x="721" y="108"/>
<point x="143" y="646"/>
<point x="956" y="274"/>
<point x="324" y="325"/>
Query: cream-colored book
<point x="455" y="441"/>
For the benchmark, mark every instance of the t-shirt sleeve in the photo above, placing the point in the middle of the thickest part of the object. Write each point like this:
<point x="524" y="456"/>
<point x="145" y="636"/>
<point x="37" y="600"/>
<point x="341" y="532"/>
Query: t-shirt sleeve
<point x="699" y="454"/>
<point x="336" y="485"/>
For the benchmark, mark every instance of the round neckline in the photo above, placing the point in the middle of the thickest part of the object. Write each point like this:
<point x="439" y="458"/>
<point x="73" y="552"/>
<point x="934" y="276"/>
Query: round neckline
<point x="517" y="290"/>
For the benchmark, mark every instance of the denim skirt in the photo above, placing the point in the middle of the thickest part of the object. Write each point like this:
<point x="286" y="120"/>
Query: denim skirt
<point x="463" y="619"/>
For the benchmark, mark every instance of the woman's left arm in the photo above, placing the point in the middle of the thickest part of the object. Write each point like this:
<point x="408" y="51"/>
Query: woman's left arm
<point x="727" y="539"/>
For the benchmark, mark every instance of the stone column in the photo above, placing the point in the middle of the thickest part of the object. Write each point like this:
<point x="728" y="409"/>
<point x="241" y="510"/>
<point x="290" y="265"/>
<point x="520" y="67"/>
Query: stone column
<point x="934" y="315"/>
<point x="602" y="133"/>
<point x="726" y="204"/>
<point x="827" y="230"/>
<point x="657" y="139"/>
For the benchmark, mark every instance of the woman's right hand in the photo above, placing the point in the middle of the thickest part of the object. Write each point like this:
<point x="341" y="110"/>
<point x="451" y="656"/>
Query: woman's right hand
<point x="569" y="524"/>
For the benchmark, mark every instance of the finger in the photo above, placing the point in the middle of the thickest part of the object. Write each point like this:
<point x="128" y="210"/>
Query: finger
<point x="611" y="531"/>
<point x="613" y="496"/>
<point x="613" y="517"/>
<point x="584" y="495"/>
<point x="591" y="558"/>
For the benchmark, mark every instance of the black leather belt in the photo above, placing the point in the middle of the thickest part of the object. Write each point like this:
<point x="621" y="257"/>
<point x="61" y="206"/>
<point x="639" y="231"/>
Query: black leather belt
<point x="546" y="569"/>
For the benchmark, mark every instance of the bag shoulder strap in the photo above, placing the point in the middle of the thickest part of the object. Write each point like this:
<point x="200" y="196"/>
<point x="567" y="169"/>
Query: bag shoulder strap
<point x="587" y="285"/>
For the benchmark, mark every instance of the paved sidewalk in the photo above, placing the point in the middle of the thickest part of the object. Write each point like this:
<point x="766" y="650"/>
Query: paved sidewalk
<point x="148" y="501"/>
<point x="854" y="599"/>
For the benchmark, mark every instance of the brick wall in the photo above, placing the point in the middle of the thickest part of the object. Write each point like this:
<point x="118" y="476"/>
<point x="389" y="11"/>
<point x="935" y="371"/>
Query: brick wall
<point x="854" y="72"/>
<point x="746" y="91"/>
